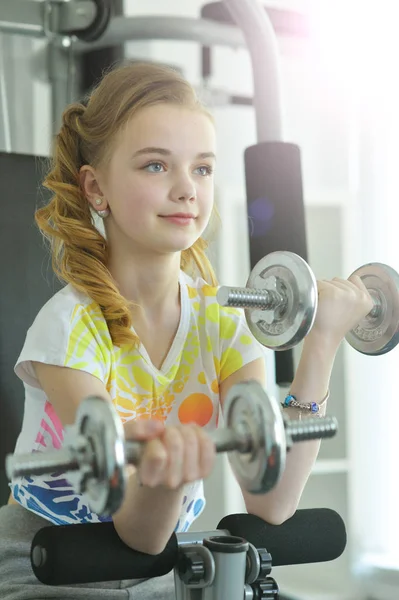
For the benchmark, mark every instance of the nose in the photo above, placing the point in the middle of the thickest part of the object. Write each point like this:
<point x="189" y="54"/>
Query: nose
<point x="183" y="189"/>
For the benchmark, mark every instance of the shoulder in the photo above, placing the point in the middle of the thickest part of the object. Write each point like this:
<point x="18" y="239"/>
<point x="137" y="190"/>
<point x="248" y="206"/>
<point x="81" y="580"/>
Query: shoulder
<point x="203" y="295"/>
<point x="69" y="330"/>
<point x="67" y="309"/>
<point x="63" y="303"/>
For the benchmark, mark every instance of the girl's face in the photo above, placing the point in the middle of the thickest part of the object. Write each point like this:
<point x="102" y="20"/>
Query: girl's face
<point x="159" y="182"/>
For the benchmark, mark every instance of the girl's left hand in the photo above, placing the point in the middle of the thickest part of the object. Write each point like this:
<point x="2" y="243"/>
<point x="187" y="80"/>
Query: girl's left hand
<point x="343" y="303"/>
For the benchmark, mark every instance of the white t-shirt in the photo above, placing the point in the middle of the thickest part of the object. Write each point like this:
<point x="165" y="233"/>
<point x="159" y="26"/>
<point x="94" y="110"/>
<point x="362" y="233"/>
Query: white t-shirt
<point x="211" y="343"/>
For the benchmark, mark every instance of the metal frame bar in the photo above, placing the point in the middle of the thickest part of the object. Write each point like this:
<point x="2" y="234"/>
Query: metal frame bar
<point x="126" y="29"/>
<point x="4" y="104"/>
<point x="22" y="17"/>
<point x="262" y="44"/>
<point x="256" y="33"/>
<point x="38" y="19"/>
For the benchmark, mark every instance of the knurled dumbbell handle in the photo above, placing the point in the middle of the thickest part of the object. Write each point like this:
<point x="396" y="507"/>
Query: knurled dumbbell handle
<point x="311" y="429"/>
<point x="270" y="300"/>
<point x="376" y="310"/>
<point x="41" y="463"/>
<point x="249" y="298"/>
<point x="226" y="440"/>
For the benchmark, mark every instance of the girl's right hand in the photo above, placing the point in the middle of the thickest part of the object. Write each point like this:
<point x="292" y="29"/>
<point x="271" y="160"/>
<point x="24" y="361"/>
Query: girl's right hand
<point x="180" y="454"/>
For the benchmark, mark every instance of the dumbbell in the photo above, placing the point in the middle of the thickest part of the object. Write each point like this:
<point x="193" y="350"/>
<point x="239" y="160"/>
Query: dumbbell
<point x="95" y="452"/>
<point x="280" y="302"/>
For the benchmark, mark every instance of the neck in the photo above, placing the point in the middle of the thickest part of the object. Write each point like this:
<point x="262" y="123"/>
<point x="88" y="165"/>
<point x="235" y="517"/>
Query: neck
<point x="151" y="282"/>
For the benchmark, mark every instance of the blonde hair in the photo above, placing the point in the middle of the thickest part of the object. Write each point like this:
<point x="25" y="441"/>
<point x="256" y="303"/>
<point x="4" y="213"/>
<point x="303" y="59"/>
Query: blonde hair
<point x="79" y="250"/>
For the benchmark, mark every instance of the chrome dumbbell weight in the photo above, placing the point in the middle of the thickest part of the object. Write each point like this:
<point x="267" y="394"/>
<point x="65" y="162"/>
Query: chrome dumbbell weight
<point x="378" y="332"/>
<point x="95" y="452"/>
<point x="280" y="303"/>
<point x="280" y="300"/>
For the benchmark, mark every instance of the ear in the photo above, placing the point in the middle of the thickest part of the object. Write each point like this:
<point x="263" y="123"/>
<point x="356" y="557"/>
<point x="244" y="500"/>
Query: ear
<point x="89" y="181"/>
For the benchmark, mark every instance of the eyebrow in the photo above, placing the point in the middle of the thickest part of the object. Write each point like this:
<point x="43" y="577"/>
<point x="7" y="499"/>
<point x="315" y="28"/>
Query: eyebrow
<point x="165" y="152"/>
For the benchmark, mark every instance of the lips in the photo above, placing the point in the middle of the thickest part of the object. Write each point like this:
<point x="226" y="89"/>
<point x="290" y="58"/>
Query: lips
<point x="180" y="216"/>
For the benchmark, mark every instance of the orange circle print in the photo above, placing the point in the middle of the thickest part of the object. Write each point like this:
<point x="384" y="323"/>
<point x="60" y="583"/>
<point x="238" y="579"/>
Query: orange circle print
<point x="196" y="408"/>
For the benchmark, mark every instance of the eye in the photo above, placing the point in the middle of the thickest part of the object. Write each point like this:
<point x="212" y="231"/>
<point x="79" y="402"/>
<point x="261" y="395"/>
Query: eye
<point x="154" y="167"/>
<point x="204" y="170"/>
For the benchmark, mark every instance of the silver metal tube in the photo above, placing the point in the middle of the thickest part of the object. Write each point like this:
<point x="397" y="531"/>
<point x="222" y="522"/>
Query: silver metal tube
<point x="261" y="41"/>
<point x="4" y="105"/>
<point x="126" y="29"/>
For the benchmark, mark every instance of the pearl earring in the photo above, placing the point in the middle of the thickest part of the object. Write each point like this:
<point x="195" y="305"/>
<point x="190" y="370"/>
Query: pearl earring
<point x="101" y="213"/>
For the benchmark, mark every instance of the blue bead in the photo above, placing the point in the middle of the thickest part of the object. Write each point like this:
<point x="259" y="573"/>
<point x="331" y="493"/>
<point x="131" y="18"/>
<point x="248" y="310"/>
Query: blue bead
<point x="288" y="399"/>
<point x="314" y="407"/>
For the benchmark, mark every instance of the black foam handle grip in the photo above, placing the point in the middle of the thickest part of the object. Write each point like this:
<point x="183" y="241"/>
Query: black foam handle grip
<point x="68" y="554"/>
<point x="309" y="536"/>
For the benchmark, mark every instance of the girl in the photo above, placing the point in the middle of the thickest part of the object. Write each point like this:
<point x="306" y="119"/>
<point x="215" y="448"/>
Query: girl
<point x="138" y="323"/>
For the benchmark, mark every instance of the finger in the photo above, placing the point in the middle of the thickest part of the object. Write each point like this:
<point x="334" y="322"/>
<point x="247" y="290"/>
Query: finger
<point x="358" y="282"/>
<point x="153" y="463"/>
<point x="342" y="284"/>
<point x="355" y="290"/>
<point x="173" y="442"/>
<point x="353" y="282"/>
<point x="207" y="453"/>
<point x="143" y="429"/>
<point x="356" y="285"/>
<point x="323" y="284"/>
<point x="191" y="453"/>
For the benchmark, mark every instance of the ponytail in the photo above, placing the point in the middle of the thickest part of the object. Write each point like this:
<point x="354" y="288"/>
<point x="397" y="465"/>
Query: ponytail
<point x="79" y="251"/>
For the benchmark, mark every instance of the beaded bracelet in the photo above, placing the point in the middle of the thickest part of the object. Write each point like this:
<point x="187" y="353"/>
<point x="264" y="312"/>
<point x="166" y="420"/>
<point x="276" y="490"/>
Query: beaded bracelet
<point x="290" y="401"/>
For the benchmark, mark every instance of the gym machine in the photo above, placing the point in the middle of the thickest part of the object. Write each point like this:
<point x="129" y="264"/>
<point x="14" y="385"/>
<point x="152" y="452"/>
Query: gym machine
<point x="233" y="561"/>
<point x="280" y="301"/>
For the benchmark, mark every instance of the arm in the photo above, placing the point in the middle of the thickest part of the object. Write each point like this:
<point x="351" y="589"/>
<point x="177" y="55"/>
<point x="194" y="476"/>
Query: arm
<point x="311" y="381"/>
<point x="148" y="516"/>
<point x="342" y="304"/>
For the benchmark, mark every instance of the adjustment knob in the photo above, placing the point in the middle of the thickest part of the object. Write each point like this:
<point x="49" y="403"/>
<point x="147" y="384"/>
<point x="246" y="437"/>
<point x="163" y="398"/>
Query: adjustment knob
<point x="191" y="567"/>
<point x="265" y="563"/>
<point x="266" y="590"/>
